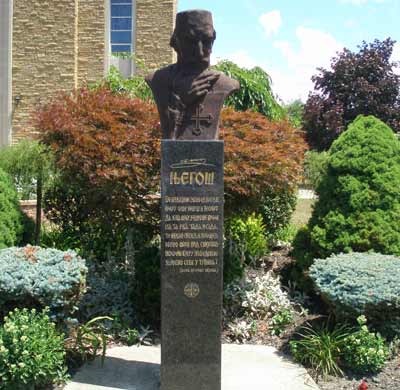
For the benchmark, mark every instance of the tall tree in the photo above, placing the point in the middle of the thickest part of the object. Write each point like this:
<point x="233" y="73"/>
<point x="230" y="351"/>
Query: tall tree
<point x="360" y="82"/>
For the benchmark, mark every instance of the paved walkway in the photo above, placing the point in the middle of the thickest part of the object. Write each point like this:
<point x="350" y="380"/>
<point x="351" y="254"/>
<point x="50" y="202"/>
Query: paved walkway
<point x="252" y="367"/>
<point x="304" y="193"/>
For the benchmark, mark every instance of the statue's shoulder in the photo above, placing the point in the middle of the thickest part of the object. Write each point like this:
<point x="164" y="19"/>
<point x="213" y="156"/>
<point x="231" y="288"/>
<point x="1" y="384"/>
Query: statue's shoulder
<point x="160" y="78"/>
<point x="226" y="83"/>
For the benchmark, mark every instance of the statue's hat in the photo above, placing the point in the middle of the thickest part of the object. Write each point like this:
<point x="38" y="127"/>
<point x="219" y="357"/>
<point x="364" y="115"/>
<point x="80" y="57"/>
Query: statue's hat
<point x="196" y="18"/>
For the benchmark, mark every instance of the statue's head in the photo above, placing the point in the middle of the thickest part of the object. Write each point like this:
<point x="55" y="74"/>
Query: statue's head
<point x="193" y="37"/>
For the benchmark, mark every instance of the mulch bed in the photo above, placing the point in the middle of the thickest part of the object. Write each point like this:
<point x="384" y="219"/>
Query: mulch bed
<point x="387" y="379"/>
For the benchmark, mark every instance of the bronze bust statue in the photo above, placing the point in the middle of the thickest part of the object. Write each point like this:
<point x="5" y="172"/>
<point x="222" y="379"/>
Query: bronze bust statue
<point x="190" y="96"/>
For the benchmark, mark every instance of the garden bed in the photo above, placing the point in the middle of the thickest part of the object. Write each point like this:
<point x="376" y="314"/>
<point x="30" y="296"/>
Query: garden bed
<point x="388" y="378"/>
<point x="278" y="261"/>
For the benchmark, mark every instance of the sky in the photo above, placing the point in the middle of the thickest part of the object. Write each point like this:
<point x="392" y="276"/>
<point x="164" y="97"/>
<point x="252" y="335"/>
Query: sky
<point x="290" y="39"/>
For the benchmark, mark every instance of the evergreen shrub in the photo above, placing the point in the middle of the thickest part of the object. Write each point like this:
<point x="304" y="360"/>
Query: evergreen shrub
<point x="248" y="236"/>
<point x="10" y="214"/>
<point x="32" y="353"/>
<point x="35" y="277"/>
<point x="359" y="196"/>
<point x="361" y="284"/>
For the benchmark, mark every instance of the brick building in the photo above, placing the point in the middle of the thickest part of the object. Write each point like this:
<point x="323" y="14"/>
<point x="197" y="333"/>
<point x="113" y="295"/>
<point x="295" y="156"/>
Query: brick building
<point x="48" y="46"/>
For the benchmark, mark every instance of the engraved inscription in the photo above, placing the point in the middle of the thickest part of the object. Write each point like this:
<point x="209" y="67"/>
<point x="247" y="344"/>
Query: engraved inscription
<point x="192" y="241"/>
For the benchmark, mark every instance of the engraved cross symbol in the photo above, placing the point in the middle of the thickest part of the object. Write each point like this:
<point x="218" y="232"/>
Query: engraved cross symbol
<point x="197" y="118"/>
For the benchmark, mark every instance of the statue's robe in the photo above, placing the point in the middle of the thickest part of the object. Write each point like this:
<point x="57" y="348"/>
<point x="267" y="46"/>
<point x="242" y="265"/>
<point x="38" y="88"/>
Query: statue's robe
<point x="198" y="121"/>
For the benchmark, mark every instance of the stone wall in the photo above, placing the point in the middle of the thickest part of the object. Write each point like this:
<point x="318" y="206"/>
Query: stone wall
<point x="43" y="55"/>
<point x="91" y="44"/>
<point x="56" y="46"/>
<point x="154" y="26"/>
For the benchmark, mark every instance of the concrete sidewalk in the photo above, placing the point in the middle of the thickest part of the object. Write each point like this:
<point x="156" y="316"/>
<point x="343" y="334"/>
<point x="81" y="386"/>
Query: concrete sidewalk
<point x="252" y="367"/>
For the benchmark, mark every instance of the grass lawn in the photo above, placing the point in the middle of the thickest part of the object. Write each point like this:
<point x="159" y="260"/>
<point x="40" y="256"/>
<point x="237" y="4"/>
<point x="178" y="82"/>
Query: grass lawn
<point x="303" y="211"/>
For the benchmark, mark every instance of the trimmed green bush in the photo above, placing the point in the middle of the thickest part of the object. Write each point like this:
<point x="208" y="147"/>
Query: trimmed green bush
<point x="248" y="236"/>
<point x="31" y="351"/>
<point x="361" y="283"/>
<point x="36" y="277"/>
<point x="359" y="196"/>
<point x="10" y="214"/>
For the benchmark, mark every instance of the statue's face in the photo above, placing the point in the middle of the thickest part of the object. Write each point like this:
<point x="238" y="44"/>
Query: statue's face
<point x="194" y="45"/>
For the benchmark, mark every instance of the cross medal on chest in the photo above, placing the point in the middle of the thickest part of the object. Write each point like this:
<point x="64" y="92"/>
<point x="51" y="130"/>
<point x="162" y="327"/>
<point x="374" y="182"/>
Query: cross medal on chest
<point x="198" y="119"/>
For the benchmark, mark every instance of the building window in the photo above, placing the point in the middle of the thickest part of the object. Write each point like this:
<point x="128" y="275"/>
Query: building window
<point x="121" y="38"/>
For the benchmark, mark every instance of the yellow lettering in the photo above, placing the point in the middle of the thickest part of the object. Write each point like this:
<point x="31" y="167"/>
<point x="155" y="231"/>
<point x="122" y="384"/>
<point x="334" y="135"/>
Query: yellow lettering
<point x="185" y="178"/>
<point x="199" y="178"/>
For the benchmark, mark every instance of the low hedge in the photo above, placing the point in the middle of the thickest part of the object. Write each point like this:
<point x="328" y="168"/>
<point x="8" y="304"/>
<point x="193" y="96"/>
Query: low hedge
<point x="361" y="283"/>
<point x="35" y="277"/>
